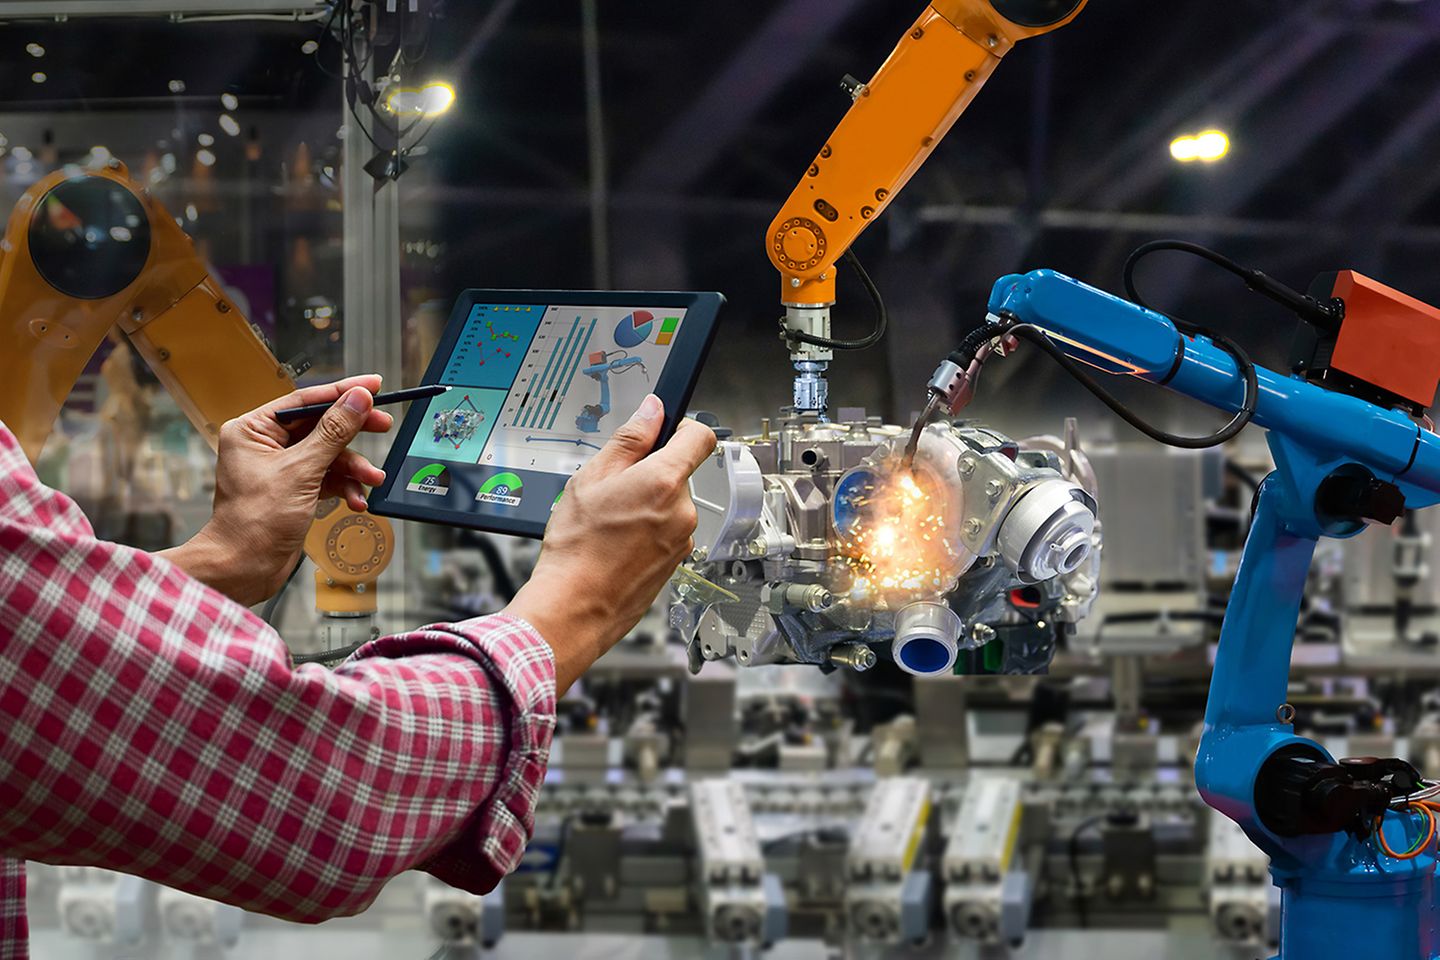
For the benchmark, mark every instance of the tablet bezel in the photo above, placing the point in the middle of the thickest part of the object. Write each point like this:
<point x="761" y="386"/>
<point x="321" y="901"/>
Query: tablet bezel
<point x="675" y="386"/>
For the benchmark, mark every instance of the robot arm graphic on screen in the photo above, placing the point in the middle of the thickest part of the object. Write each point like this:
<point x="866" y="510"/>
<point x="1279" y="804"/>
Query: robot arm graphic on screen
<point x="599" y="369"/>
<point x="89" y="250"/>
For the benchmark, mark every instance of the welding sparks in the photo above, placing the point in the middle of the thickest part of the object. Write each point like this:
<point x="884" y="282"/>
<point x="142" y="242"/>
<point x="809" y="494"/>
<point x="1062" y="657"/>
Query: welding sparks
<point x="892" y="526"/>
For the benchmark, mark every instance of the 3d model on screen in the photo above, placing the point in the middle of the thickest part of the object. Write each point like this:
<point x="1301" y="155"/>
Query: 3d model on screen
<point x="457" y="424"/>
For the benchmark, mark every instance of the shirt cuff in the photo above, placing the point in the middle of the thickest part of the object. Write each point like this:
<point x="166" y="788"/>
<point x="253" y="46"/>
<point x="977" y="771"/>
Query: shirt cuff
<point x="521" y="666"/>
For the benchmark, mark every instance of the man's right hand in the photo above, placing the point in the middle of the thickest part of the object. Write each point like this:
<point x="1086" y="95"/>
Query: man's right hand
<point x="614" y="540"/>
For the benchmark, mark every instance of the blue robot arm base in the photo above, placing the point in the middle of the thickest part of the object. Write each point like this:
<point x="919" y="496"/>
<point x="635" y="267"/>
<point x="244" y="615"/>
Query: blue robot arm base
<point x="1342" y="897"/>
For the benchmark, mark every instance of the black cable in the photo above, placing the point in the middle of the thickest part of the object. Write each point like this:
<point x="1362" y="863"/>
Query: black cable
<point x="499" y="573"/>
<point x="1326" y="315"/>
<point x="1228" y="432"/>
<point x="327" y="656"/>
<point x="1240" y="473"/>
<point x="273" y="607"/>
<point x="882" y="317"/>
<point x="325" y="33"/>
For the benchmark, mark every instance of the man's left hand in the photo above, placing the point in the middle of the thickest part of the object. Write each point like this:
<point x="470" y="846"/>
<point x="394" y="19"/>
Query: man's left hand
<point x="268" y="480"/>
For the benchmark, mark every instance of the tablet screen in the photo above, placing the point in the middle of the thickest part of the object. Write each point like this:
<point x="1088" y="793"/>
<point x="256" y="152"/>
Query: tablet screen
<point x="536" y="388"/>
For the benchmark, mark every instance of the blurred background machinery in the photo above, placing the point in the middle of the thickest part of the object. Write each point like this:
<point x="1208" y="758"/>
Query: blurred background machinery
<point x="811" y="809"/>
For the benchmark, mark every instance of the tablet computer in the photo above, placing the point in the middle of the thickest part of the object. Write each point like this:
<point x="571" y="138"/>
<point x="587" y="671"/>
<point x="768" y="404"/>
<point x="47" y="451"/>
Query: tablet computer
<point x="539" y="381"/>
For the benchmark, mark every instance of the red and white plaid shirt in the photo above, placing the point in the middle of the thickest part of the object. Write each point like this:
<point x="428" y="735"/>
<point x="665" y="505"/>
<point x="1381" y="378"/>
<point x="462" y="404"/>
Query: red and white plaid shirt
<point x="150" y="725"/>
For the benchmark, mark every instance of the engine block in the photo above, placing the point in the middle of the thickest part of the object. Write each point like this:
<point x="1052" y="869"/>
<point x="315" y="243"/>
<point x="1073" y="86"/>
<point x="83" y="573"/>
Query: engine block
<point x="817" y="544"/>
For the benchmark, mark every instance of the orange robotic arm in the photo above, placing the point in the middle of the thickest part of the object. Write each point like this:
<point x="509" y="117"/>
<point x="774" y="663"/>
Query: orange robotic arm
<point x="86" y="250"/>
<point x="896" y="120"/>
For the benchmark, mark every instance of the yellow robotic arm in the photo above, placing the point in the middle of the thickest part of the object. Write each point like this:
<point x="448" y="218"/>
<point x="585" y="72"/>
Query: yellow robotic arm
<point x="895" y="122"/>
<point x="86" y="250"/>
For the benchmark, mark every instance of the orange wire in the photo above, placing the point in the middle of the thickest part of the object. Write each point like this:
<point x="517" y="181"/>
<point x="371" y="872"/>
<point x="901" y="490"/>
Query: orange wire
<point x="1428" y="809"/>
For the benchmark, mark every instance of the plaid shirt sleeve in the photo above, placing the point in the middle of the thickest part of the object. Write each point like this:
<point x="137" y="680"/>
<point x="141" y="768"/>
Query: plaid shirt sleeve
<point x="149" y="725"/>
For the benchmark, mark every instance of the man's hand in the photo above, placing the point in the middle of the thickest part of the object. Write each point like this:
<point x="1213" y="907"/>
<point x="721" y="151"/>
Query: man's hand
<point x="268" y="480"/>
<point x="614" y="540"/>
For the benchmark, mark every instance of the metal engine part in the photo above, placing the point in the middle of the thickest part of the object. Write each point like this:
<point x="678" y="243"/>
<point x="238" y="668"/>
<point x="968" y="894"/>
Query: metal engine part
<point x="815" y="543"/>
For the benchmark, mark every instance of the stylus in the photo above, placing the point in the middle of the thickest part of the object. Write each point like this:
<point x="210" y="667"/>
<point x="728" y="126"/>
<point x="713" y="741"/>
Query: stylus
<point x="397" y="396"/>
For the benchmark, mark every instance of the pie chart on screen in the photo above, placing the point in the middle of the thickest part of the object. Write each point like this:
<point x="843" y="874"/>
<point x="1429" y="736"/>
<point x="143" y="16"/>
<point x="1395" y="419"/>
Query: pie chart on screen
<point x="634" y="329"/>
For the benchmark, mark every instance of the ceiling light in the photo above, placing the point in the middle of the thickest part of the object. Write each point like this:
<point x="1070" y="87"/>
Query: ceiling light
<point x="191" y="213"/>
<point x="229" y="101"/>
<point x="177" y="86"/>
<point x="206" y="158"/>
<point x="206" y="140"/>
<point x="1207" y="146"/>
<point x="1212" y="145"/>
<point x="101" y="155"/>
<point x="229" y="125"/>
<point x="23" y="153"/>
<point x="309" y="46"/>
<point x="38" y="77"/>
<point x="35" y="50"/>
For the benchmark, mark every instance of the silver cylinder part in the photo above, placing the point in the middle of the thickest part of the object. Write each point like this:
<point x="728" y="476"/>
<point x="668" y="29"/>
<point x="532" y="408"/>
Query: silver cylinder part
<point x="856" y="656"/>
<point x="927" y="639"/>
<point x="1047" y="533"/>
<point x="812" y="390"/>
<point x="947" y="380"/>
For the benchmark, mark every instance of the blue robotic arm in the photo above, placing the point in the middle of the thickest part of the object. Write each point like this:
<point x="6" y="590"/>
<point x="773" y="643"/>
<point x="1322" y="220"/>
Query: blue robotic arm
<point x="589" y="419"/>
<point x="1342" y="461"/>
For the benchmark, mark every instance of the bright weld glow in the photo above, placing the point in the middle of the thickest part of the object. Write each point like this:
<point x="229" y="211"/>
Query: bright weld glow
<point x="897" y="550"/>
<point x="1207" y="146"/>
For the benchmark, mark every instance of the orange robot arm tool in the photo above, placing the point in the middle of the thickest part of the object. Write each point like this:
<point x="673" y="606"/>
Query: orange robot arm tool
<point x="894" y="124"/>
<point x="88" y="249"/>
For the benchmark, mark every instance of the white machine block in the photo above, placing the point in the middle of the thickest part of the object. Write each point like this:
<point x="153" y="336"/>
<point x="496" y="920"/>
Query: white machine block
<point x="102" y="907"/>
<point x="191" y="919"/>
<point x="740" y="903"/>
<point x="886" y="900"/>
<point x="464" y="918"/>
<point x="1244" y="903"/>
<point x="985" y="899"/>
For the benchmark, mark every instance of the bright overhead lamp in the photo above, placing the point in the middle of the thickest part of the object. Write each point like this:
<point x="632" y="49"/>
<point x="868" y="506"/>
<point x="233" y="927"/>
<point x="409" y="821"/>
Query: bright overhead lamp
<point x="229" y="124"/>
<point x="229" y="101"/>
<point x="1207" y="146"/>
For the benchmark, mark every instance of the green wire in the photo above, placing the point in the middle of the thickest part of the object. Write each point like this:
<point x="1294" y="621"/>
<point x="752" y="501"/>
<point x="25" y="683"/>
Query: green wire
<point x="1419" y="840"/>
